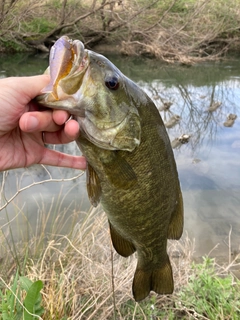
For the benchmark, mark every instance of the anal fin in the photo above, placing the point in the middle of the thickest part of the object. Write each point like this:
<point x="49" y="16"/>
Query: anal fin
<point x="159" y="280"/>
<point x="123" y="247"/>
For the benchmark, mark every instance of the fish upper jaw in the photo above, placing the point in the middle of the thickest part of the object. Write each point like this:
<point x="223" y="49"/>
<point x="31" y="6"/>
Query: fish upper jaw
<point x="80" y="61"/>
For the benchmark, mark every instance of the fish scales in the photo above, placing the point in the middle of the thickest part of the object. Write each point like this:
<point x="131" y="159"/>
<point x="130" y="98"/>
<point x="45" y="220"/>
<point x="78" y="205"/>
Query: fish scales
<point x="136" y="212"/>
<point x="131" y="167"/>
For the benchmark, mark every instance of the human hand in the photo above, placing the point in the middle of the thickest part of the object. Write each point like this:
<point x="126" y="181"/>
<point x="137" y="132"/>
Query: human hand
<point x="22" y="125"/>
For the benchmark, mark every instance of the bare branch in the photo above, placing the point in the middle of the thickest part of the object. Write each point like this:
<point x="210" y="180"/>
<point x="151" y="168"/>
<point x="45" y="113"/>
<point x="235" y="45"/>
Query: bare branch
<point x="20" y="190"/>
<point x="162" y="17"/>
<point x="64" y="4"/>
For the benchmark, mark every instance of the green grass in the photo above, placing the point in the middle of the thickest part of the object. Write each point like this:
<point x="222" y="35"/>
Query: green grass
<point x="21" y="299"/>
<point x="208" y="294"/>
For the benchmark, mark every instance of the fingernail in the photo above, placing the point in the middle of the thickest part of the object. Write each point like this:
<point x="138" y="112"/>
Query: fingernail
<point x="32" y="123"/>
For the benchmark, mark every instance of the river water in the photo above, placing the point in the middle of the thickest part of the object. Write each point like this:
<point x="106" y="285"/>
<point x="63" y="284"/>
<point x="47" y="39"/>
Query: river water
<point x="208" y="162"/>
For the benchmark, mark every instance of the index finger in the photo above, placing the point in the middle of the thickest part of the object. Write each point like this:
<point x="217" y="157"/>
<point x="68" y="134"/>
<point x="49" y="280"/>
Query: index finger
<point x="36" y="121"/>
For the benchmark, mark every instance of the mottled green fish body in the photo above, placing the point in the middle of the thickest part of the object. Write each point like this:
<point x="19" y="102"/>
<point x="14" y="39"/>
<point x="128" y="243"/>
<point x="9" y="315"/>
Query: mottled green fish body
<point x="131" y="167"/>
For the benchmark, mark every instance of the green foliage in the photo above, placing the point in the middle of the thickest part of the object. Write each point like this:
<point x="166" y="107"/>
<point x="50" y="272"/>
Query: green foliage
<point x="12" y="45"/>
<point x="56" y="4"/>
<point x="210" y="295"/>
<point x="12" y="302"/>
<point x="180" y="6"/>
<point x="33" y="298"/>
<point x="10" y="309"/>
<point x="39" y="25"/>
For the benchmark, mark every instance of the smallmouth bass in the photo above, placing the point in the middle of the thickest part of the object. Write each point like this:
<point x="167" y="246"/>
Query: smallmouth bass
<point x="131" y="168"/>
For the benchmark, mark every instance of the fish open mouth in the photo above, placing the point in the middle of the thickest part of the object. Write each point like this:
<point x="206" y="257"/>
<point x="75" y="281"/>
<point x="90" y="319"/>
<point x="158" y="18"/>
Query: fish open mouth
<point x="71" y="83"/>
<point x="67" y="61"/>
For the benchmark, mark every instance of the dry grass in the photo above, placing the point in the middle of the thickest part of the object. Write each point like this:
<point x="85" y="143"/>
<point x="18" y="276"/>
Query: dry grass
<point x="84" y="278"/>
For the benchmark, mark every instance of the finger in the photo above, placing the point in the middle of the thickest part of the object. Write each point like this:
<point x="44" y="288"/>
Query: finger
<point x="69" y="133"/>
<point x="72" y="129"/>
<point x="60" y="116"/>
<point x="38" y="121"/>
<point x="56" y="158"/>
<point x="30" y="87"/>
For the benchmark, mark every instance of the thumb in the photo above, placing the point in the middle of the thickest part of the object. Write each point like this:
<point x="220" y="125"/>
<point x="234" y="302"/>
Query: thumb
<point x="32" y="86"/>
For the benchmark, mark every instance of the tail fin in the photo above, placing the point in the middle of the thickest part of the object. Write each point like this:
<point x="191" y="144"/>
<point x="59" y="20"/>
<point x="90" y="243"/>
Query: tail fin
<point x="159" y="280"/>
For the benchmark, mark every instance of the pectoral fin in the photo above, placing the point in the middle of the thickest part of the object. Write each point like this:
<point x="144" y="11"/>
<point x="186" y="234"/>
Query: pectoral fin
<point x="93" y="186"/>
<point x="175" y="228"/>
<point x="120" y="173"/>
<point x="123" y="247"/>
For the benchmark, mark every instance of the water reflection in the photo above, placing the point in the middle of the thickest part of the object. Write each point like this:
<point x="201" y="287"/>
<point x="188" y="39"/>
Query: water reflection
<point x="200" y="107"/>
<point x="209" y="164"/>
<point x="196" y="111"/>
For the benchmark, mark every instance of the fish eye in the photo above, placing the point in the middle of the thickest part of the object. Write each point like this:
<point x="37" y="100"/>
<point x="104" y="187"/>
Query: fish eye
<point x="112" y="83"/>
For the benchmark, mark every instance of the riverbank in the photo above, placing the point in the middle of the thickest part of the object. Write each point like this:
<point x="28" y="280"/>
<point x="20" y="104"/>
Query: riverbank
<point x="83" y="278"/>
<point x="186" y="31"/>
